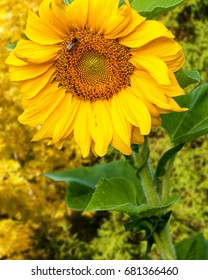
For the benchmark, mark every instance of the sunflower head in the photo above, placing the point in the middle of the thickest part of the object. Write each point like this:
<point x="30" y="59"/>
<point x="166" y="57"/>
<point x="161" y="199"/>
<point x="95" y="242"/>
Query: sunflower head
<point x="98" y="72"/>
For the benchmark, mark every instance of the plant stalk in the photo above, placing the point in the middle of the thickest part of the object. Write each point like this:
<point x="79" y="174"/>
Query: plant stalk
<point x="166" y="179"/>
<point x="162" y="239"/>
<point x="140" y="162"/>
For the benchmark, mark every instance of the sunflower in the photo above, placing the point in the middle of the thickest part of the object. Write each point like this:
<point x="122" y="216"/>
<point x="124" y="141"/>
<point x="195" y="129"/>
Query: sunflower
<point x="98" y="72"/>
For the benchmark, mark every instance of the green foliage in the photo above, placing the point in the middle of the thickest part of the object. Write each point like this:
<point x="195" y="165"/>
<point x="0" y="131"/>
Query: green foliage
<point x="108" y="196"/>
<point x="162" y="164"/>
<point x="189" y="179"/>
<point x="113" y="194"/>
<point x="188" y="78"/>
<point x="190" y="125"/>
<point x="149" y="224"/>
<point x="67" y="2"/>
<point x="153" y="8"/>
<point x="82" y="181"/>
<point x="192" y="248"/>
<point x="98" y="188"/>
<point x="11" y="46"/>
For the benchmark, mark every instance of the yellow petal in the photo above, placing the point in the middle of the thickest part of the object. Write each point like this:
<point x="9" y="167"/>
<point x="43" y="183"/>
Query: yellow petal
<point x="32" y="87"/>
<point x="135" y="110"/>
<point x="43" y="133"/>
<point x="37" y="113"/>
<point x="28" y="71"/>
<point x="154" y="67"/>
<point x="152" y="109"/>
<point x="59" y="144"/>
<point x="99" y="12"/>
<point x="53" y="119"/>
<point x="31" y="52"/>
<point x="101" y="126"/>
<point x="77" y="12"/>
<point x="144" y="33"/>
<point x="82" y="133"/>
<point x="144" y="83"/>
<point x="93" y="148"/>
<point x="39" y="32"/>
<point x="123" y="23"/>
<point x="155" y="122"/>
<point x="66" y="124"/>
<point x="174" y="62"/>
<point x="120" y="123"/>
<point x="42" y="98"/>
<point x="136" y="137"/>
<point x="175" y="106"/>
<point x="159" y="47"/>
<point x="63" y="17"/>
<point x="174" y="89"/>
<point x="53" y="19"/>
<point x="166" y="49"/>
<point x="14" y="61"/>
<point x="120" y="145"/>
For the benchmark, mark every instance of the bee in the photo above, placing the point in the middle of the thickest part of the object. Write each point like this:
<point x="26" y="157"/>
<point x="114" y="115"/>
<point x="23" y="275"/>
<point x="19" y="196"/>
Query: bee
<point x="71" y="45"/>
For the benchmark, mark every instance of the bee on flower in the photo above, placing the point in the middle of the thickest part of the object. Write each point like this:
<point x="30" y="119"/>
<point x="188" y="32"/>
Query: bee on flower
<point x="73" y="43"/>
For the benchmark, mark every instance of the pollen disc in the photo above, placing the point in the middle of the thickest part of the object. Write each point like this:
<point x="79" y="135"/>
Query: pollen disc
<point x="92" y="67"/>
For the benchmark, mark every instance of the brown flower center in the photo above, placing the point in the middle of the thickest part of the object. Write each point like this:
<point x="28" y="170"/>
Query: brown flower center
<point x="92" y="67"/>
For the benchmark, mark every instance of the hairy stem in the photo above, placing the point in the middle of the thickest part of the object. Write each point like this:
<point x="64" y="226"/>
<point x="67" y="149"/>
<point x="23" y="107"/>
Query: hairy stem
<point x="141" y="163"/>
<point x="162" y="238"/>
<point x="166" y="179"/>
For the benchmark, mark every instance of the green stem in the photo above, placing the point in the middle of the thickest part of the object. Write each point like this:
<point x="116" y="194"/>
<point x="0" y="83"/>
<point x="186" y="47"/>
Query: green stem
<point x="168" y="250"/>
<point x="164" y="250"/>
<point x="166" y="179"/>
<point x="149" y="189"/>
<point x="162" y="238"/>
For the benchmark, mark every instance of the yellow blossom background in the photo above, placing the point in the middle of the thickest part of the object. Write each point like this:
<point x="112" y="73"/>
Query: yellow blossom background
<point x="34" y="220"/>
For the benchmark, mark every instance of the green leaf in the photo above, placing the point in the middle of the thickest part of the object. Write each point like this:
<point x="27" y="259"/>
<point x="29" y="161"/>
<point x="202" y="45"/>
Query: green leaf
<point x="78" y="196"/>
<point x="120" y="194"/>
<point x="67" y="2"/>
<point x="113" y="194"/>
<point x="153" y="8"/>
<point x="82" y="181"/>
<point x="206" y="249"/>
<point x="123" y="2"/>
<point x="171" y="121"/>
<point x="192" y="248"/>
<point x="192" y="124"/>
<point x="161" y="167"/>
<point x="187" y="78"/>
<point x="149" y="225"/>
<point x="11" y="47"/>
<point x="137" y="223"/>
<point x="91" y="175"/>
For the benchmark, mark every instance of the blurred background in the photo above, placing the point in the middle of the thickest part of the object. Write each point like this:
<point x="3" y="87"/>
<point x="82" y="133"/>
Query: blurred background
<point x="34" y="220"/>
